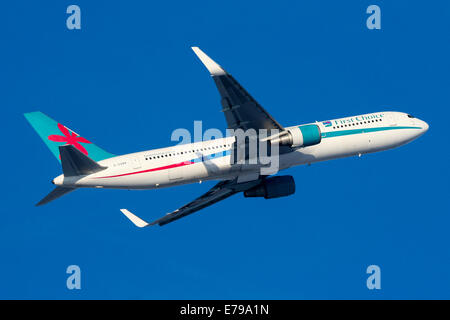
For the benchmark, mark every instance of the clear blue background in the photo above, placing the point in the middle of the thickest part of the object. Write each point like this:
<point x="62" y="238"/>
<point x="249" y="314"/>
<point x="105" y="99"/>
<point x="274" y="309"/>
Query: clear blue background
<point x="128" y="78"/>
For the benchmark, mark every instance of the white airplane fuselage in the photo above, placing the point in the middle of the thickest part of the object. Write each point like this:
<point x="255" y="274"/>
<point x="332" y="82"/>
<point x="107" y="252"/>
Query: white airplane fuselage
<point x="211" y="160"/>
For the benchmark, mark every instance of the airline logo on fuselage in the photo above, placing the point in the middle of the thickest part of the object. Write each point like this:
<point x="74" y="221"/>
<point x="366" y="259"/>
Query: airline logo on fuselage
<point x="367" y="117"/>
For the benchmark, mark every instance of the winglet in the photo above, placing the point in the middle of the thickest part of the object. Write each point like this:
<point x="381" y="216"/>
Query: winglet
<point x="138" y="222"/>
<point x="209" y="63"/>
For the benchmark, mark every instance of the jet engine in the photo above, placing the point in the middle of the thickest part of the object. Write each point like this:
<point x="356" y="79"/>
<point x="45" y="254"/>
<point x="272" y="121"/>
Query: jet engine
<point x="274" y="187"/>
<point x="301" y="136"/>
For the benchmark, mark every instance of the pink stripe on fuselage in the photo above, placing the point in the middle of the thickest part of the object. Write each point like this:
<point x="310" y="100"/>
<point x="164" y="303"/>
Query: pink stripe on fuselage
<point x="185" y="163"/>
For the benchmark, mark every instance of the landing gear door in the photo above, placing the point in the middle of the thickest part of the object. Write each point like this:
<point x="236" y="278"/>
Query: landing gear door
<point x="392" y="119"/>
<point x="136" y="163"/>
<point x="176" y="173"/>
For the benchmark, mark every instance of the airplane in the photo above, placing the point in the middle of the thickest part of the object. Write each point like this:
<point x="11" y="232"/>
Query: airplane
<point x="85" y="165"/>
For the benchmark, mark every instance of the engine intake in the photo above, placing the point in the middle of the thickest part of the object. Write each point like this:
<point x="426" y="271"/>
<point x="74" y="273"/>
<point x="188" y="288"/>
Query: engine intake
<point x="306" y="135"/>
<point x="274" y="187"/>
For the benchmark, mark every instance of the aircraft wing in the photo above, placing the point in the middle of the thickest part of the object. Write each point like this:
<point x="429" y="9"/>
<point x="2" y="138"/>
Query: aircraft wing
<point x="240" y="109"/>
<point x="220" y="191"/>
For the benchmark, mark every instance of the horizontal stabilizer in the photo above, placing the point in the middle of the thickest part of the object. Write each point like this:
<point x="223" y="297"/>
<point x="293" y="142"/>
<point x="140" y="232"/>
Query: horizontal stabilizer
<point x="55" y="194"/>
<point x="76" y="163"/>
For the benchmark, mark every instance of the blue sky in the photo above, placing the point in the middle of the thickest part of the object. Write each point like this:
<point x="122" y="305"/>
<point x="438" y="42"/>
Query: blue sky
<point x="128" y="78"/>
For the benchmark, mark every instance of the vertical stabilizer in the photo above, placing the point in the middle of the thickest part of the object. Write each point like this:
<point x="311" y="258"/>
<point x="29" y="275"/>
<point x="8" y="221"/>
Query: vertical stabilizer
<point x="55" y="134"/>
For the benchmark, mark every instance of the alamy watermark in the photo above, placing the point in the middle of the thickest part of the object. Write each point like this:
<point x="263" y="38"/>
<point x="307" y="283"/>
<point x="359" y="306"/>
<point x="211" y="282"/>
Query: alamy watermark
<point x="73" y="21"/>
<point x="374" y="20"/>
<point x="257" y="148"/>
<point x="374" y="280"/>
<point x="74" y="280"/>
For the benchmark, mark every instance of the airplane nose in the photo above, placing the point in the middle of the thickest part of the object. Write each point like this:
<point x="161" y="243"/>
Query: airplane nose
<point x="424" y="125"/>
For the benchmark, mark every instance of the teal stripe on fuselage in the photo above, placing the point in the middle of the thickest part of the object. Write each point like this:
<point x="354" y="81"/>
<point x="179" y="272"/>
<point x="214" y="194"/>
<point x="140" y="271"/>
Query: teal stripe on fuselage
<point x="330" y="134"/>
<point x="340" y="133"/>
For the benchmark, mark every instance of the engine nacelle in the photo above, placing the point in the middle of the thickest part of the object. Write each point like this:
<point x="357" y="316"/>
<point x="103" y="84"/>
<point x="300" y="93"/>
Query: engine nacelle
<point x="301" y="136"/>
<point x="306" y="135"/>
<point x="274" y="187"/>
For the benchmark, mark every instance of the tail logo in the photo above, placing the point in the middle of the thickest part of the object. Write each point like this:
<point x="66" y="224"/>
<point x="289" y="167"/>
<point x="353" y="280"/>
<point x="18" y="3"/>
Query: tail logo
<point x="69" y="138"/>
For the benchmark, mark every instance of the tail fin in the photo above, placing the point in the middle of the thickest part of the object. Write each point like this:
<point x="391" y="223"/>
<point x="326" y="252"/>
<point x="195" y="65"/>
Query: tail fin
<point x="55" y="134"/>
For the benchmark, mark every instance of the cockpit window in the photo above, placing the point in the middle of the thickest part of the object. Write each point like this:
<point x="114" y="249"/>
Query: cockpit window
<point x="410" y="116"/>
